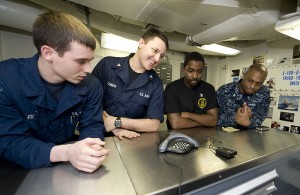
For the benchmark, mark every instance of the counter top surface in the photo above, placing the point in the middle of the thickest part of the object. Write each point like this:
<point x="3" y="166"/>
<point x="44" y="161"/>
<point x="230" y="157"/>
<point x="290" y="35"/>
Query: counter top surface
<point x="150" y="172"/>
<point x="135" y="167"/>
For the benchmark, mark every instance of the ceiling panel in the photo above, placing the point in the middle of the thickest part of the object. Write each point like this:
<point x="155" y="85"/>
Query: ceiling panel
<point x="184" y="16"/>
<point x="207" y="21"/>
<point x="126" y="8"/>
<point x="190" y="17"/>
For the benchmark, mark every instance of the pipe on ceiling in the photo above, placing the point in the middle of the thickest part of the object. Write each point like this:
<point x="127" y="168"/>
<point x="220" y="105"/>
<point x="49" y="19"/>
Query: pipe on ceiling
<point x="17" y="15"/>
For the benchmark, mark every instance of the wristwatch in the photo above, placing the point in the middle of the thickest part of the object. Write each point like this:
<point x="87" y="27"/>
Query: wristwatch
<point x="118" y="122"/>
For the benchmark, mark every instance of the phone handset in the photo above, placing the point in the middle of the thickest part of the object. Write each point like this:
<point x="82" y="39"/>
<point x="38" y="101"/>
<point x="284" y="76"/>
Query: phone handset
<point x="177" y="143"/>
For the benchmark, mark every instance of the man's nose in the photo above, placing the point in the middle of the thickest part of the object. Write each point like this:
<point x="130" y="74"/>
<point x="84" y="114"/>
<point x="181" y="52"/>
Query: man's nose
<point x="87" y="68"/>
<point x="195" y="74"/>
<point x="252" y="85"/>
<point x="157" y="58"/>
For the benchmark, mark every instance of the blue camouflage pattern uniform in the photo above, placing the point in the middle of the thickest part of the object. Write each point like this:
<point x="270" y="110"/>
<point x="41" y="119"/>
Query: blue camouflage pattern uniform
<point x="230" y="99"/>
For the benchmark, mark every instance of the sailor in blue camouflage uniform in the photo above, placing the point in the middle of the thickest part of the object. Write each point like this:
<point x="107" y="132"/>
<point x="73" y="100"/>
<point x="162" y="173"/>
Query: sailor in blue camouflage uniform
<point x="244" y="104"/>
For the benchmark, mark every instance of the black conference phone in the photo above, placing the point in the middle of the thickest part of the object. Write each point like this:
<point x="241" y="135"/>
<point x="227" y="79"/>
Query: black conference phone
<point x="177" y="143"/>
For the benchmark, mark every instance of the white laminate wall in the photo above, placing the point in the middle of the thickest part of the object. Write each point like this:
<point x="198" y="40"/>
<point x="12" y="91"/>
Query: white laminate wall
<point x="212" y="64"/>
<point x="14" y="45"/>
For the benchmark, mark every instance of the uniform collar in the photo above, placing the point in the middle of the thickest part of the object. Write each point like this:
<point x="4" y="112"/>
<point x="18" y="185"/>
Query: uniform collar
<point x="33" y="87"/>
<point x="31" y="83"/>
<point x="237" y="92"/>
<point x="122" y="70"/>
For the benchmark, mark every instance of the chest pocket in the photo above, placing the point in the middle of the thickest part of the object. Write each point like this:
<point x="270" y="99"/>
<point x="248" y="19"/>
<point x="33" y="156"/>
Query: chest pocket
<point x="39" y="122"/>
<point x="112" y="95"/>
<point x="139" y="105"/>
<point x="44" y="125"/>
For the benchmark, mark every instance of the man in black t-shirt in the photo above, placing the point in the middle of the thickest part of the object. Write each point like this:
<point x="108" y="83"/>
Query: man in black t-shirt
<point x="190" y="102"/>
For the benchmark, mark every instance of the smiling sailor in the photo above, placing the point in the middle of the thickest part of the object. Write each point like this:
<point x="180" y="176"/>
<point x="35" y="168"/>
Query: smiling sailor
<point x="133" y="98"/>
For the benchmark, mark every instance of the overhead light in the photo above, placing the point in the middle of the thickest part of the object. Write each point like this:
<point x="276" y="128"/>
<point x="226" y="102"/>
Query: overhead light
<point x="220" y="49"/>
<point x="111" y="41"/>
<point x="289" y="25"/>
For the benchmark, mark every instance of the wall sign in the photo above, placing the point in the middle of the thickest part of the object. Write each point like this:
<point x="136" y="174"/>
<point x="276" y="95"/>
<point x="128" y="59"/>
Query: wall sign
<point x="287" y="77"/>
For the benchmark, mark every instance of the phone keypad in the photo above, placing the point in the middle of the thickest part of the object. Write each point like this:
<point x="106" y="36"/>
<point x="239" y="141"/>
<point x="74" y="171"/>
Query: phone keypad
<point x="181" y="145"/>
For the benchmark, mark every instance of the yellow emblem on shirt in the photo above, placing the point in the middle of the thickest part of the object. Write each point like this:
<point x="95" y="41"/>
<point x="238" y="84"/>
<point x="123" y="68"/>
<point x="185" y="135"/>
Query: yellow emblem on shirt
<point x="202" y="103"/>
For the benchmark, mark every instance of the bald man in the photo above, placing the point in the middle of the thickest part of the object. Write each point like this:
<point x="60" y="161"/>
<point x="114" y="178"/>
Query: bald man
<point x="244" y="104"/>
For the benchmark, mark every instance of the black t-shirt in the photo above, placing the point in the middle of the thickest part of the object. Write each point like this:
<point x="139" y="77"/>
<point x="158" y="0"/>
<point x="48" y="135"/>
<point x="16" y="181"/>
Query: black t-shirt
<point x="132" y="74"/>
<point x="55" y="88"/>
<point x="179" y="98"/>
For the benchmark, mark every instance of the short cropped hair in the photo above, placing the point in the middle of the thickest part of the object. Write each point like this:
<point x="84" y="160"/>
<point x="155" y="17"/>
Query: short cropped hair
<point x="154" y="32"/>
<point x="196" y="56"/>
<point x="58" y="30"/>
<point x="258" y="68"/>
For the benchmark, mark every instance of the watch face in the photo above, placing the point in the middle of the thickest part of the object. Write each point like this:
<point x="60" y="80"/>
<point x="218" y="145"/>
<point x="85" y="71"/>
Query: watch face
<point x="118" y="123"/>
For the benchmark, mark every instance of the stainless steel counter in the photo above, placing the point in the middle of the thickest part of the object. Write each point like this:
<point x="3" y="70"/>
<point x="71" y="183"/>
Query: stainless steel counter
<point x="64" y="179"/>
<point x="151" y="174"/>
<point x="135" y="167"/>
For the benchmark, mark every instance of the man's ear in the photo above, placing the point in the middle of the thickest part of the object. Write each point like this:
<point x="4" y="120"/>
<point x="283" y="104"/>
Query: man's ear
<point x="183" y="68"/>
<point x="47" y="52"/>
<point x="141" y="43"/>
